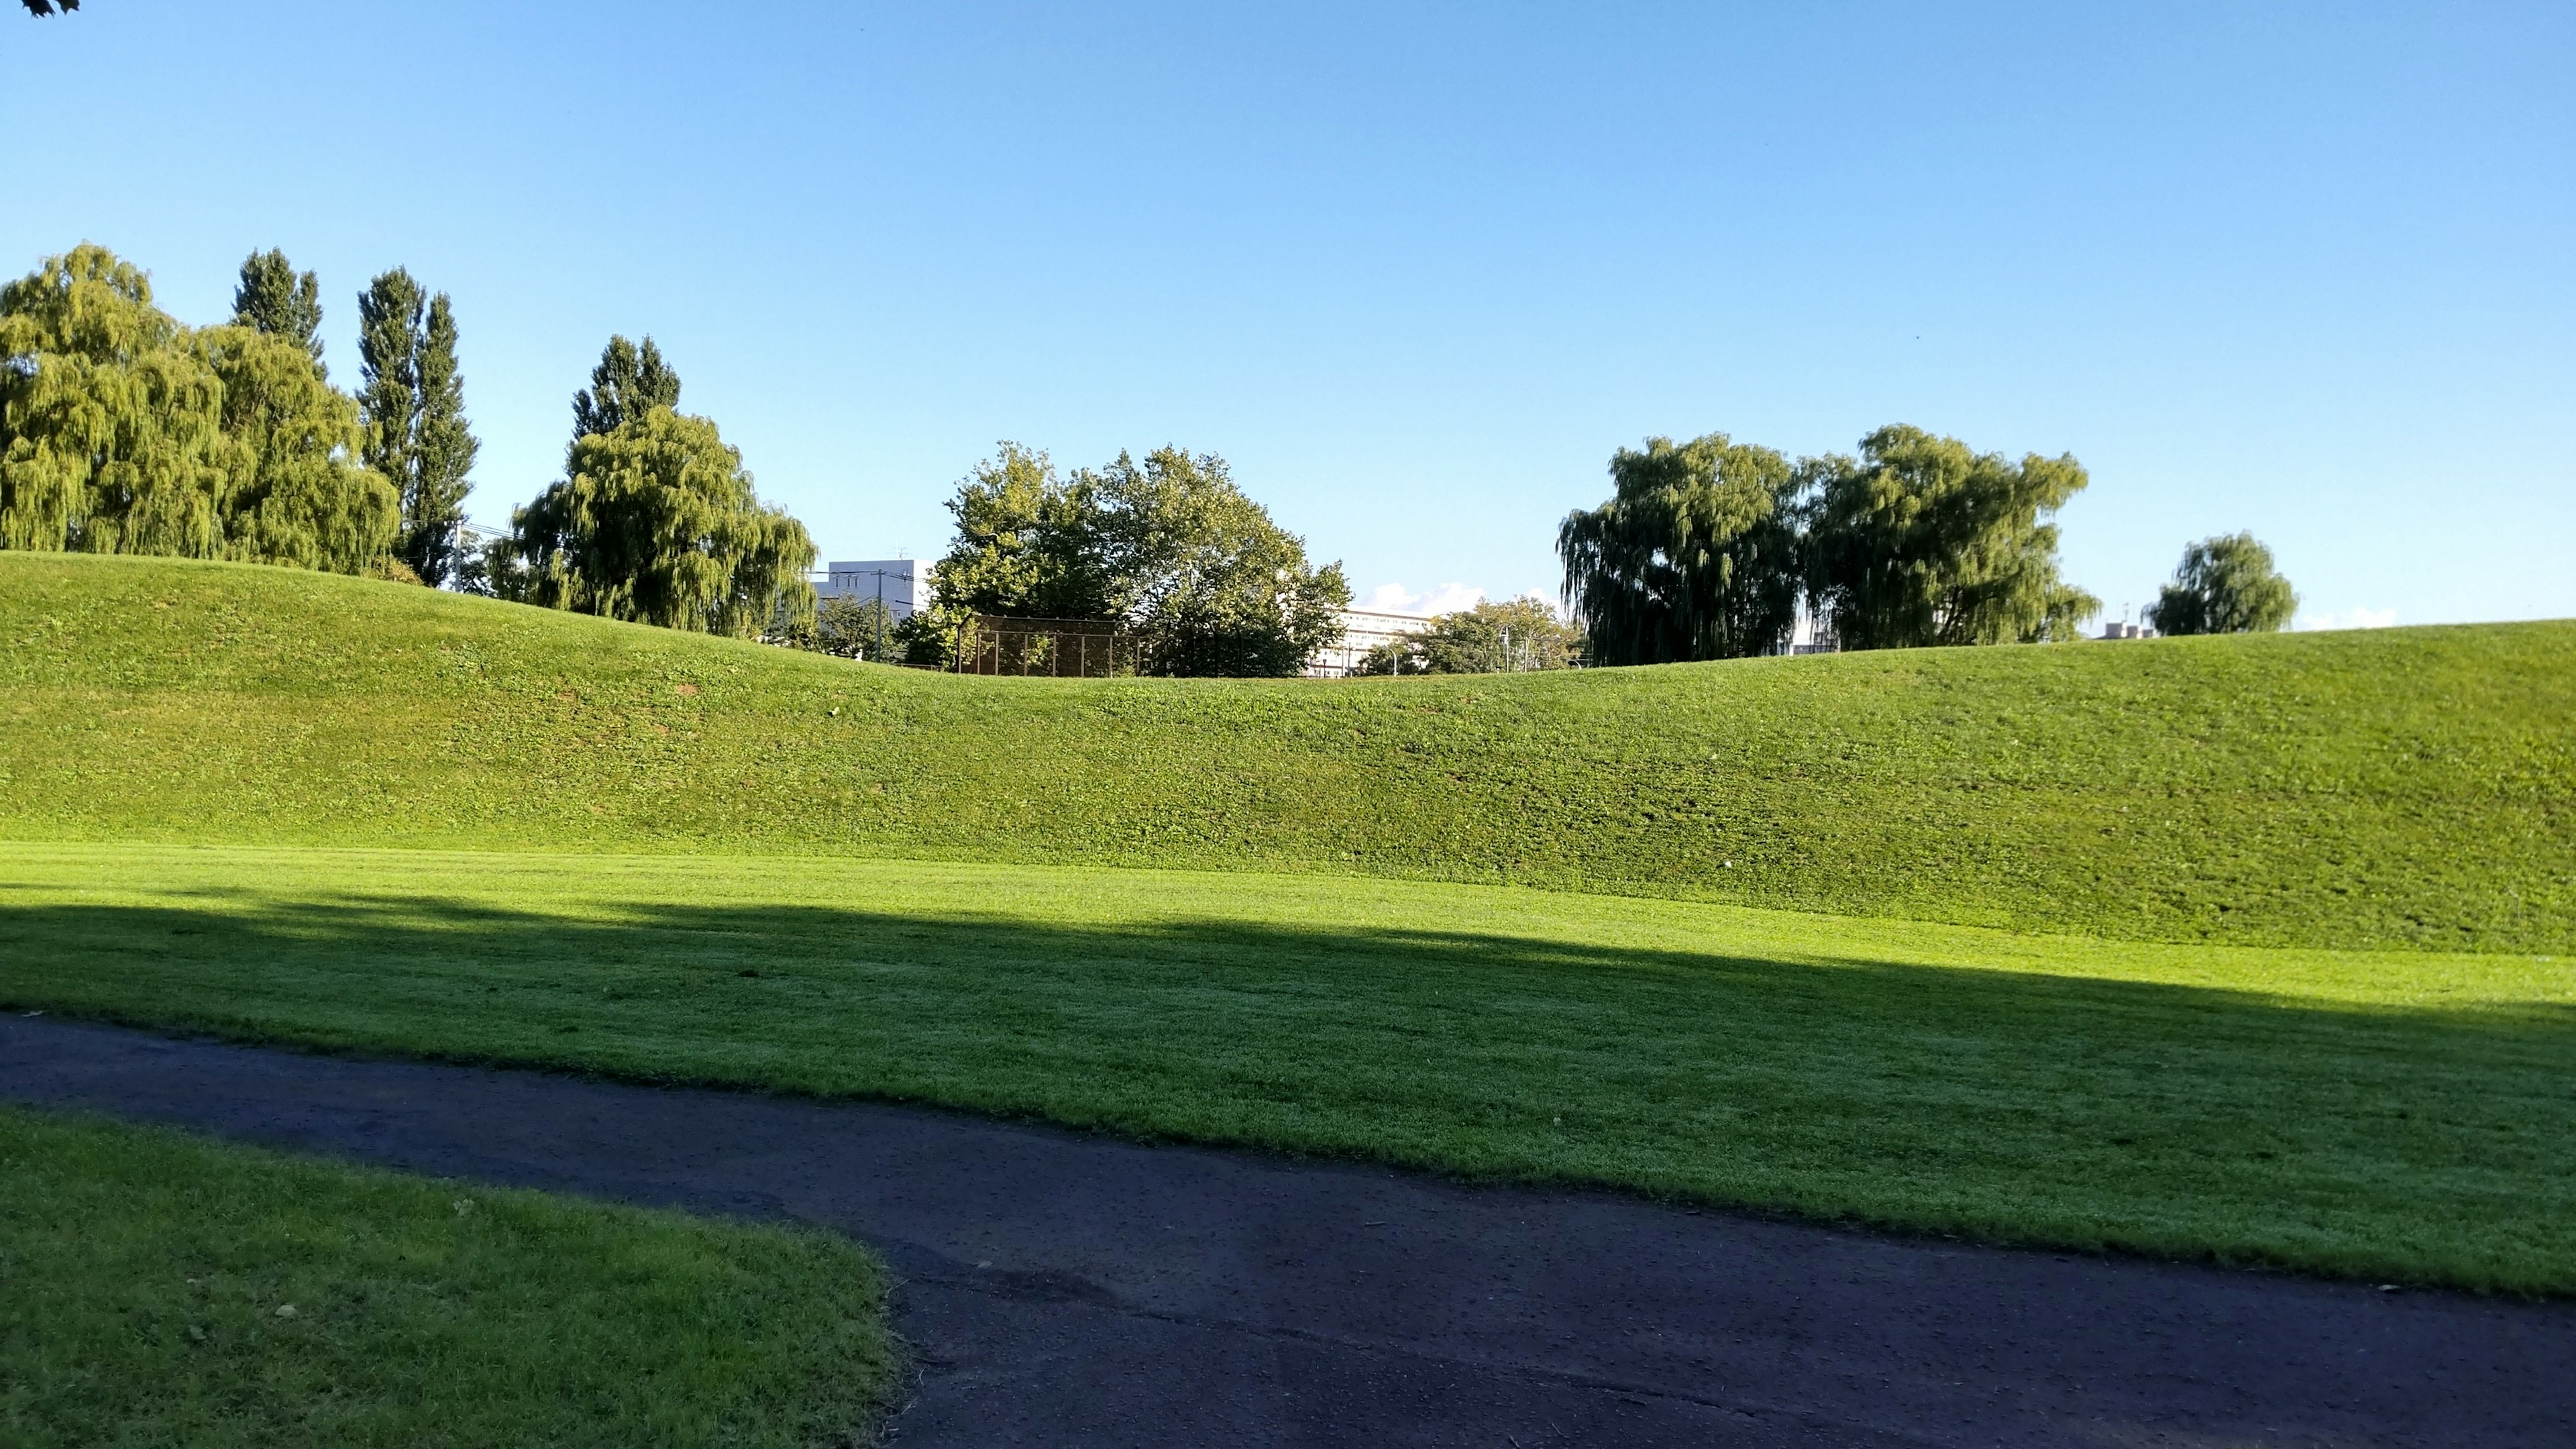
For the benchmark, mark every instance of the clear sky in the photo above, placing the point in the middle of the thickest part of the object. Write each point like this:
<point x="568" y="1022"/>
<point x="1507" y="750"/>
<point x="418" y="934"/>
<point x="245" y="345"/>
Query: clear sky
<point x="1417" y="270"/>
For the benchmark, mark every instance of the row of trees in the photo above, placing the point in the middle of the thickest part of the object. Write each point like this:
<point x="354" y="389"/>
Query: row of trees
<point x="1168" y="549"/>
<point x="124" y="431"/>
<point x="1708" y="549"/>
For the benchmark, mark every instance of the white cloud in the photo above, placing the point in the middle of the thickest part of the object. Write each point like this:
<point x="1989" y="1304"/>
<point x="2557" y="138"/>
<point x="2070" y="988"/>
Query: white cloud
<point x="2349" y="619"/>
<point x="1446" y="599"/>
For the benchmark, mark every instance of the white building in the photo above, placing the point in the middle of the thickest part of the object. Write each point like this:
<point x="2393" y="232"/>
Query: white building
<point x="1362" y="631"/>
<point x="904" y="583"/>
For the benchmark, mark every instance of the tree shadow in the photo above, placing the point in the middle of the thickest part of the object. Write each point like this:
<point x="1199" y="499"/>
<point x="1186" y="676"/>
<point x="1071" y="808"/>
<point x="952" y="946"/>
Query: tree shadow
<point x="2009" y="1104"/>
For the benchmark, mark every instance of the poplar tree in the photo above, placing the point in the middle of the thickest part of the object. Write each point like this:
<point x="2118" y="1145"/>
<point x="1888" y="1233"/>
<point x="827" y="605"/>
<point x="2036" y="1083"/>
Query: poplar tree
<point x="443" y="450"/>
<point x="389" y="318"/>
<point x="628" y="383"/>
<point x="274" y="298"/>
<point x="413" y="398"/>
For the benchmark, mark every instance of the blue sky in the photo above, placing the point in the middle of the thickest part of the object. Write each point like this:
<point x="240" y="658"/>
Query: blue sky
<point x="1417" y="270"/>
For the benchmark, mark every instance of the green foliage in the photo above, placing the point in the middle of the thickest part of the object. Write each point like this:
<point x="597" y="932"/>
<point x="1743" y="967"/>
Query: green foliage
<point x="2226" y="585"/>
<point x="627" y="383"/>
<point x="1497" y="636"/>
<point x="443" y="449"/>
<point x="1922" y="541"/>
<point x="1027" y="544"/>
<point x="847" y="628"/>
<point x="167" y="1290"/>
<point x="273" y="298"/>
<point x="1201" y="571"/>
<point x="1695" y="556"/>
<point x="307" y="500"/>
<point x="413" y="399"/>
<point x="1169" y="548"/>
<point x="389" y="318"/>
<point x="122" y="431"/>
<point x="111" y="437"/>
<point x="2381" y="788"/>
<point x="658" y="524"/>
<point x="2402" y="1115"/>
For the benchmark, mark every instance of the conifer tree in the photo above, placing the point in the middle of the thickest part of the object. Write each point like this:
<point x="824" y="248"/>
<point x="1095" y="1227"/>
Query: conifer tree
<point x="274" y="298"/>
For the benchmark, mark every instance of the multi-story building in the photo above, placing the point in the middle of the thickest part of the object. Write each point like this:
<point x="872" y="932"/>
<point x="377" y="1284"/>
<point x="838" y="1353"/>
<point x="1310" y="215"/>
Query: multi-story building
<point x="1362" y="631"/>
<point x="903" y="583"/>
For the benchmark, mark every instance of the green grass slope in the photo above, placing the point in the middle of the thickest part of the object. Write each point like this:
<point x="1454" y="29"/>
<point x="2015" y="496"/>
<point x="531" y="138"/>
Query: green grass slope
<point x="2408" y="788"/>
<point x="163" y="1290"/>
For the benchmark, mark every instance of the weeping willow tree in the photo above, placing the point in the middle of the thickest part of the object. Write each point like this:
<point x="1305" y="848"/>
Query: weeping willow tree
<point x="1695" y="556"/>
<point x="122" y="431"/>
<point x="657" y="523"/>
<point x="1924" y="541"/>
<point x="303" y="498"/>
<point x="2226" y="585"/>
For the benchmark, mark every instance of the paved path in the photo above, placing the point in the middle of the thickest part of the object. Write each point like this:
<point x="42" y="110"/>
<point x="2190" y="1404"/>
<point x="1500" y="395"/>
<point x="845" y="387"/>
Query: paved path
<point x="1064" y="1289"/>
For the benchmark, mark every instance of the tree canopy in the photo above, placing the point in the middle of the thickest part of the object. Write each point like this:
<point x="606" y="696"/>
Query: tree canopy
<point x="1924" y="541"/>
<point x="2225" y="585"/>
<point x="657" y="523"/>
<point x="122" y="431"/>
<point x="628" y="383"/>
<point x="413" y="398"/>
<point x="1695" y="555"/>
<point x="272" y="297"/>
<point x="1169" y="548"/>
<point x="1497" y="636"/>
<point x="48" y="7"/>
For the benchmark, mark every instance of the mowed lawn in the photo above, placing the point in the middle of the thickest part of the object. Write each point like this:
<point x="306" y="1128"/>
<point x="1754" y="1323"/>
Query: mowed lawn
<point x="2404" y="1116"/>
<point x="161" y="1290"/>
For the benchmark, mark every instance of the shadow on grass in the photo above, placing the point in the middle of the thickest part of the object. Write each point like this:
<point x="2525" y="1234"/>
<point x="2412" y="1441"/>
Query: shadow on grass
<point x="2178" y="1119"/>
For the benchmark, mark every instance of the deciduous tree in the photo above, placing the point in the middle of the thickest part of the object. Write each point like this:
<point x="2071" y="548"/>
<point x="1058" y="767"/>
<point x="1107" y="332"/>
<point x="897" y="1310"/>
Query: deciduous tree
<point x="657" y="523"/>
<point x="413" y="399"/>
<point x="302" y="496"/>
<point x="1923" y="541"/>
<point x="1695" y="555"/>
<point x="628" y="383"/>
<point x="1169" y="548"/>
<point x="122" y="431"/>
<point x="111" y="422"/>
<point x="274" y="298"/>
<point x="2225" y="585"/>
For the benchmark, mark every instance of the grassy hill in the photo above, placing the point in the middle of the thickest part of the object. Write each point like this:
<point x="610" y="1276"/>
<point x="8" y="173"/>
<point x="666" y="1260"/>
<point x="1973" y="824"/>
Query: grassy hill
<point x="2333" y="1038"/>
<point x="2406" y="788"/>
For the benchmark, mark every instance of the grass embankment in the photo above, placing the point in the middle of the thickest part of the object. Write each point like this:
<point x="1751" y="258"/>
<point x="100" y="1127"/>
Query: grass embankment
<point x="2395" y="788"/>
<point x="160" y="1290"/>
<point x="2400" y="1115"/>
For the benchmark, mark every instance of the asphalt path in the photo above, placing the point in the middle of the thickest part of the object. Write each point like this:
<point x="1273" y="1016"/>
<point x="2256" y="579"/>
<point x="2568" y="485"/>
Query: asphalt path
<point x="1067" y="1289"/>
